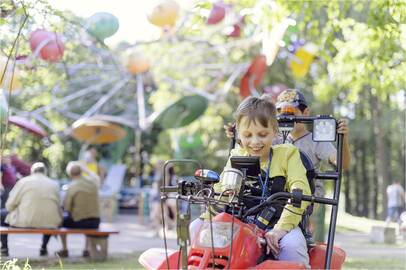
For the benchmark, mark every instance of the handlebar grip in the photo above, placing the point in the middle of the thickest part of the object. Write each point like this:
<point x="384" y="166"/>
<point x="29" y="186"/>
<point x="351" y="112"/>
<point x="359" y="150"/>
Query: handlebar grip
<point x="319" y="200"/>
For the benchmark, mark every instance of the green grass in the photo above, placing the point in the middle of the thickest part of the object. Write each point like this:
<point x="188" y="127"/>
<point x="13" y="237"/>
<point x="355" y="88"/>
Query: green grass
<point x="119" y="262"/>
<point x="131" y="262"/>
<point x="355" y="264"/>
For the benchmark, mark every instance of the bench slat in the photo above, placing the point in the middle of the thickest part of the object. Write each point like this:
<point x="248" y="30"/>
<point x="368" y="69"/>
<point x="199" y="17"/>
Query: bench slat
<point x="59" y="231"/>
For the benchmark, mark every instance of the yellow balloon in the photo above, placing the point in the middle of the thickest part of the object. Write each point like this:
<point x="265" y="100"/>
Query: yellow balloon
<point x="164" y="14"/>
<point x="8" y="75"/>
<point x="137" y="63"/>
<point x="302" y="60"/>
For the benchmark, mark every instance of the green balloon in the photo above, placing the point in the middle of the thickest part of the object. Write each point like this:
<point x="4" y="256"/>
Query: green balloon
<point x="102" y="25"/>
<point x="183" y="112"/>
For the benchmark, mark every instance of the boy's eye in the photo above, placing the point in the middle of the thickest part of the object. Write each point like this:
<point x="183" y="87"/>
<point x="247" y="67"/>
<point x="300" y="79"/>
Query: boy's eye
<point x="246" y="135"/>
<point x="263" y="134"/>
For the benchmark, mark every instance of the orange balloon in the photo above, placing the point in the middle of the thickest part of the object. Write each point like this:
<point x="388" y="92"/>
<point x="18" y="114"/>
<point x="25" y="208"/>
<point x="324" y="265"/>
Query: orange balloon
<point x="9" y="75"/>
<point x="164" y="14"/>
<point x="137" y="63"/>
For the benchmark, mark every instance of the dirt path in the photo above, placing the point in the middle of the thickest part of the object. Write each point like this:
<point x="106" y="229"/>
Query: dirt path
<point x="357" y="245"/>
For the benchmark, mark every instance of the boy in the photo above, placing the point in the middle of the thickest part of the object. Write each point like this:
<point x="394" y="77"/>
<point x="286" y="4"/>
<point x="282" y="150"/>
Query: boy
<point x="257" y="127"/>
<point x="302" y="139"/>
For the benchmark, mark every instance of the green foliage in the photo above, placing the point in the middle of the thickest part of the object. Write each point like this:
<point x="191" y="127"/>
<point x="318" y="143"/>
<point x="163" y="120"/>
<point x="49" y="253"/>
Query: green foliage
<point x="14" y="264"/>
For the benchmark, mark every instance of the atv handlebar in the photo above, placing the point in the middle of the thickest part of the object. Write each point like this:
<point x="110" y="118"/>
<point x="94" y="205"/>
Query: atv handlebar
<point x="296" y="198"/>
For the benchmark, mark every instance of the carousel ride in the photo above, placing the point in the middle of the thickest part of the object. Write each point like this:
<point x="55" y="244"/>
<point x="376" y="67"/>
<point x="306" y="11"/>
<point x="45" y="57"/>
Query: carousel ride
<point x="102" y="95"/>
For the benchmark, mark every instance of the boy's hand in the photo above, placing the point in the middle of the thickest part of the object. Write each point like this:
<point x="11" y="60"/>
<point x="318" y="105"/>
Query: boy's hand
<point x="229" y="129"/>
<point x="272" y="240"/>
<point x="343" y="126"/>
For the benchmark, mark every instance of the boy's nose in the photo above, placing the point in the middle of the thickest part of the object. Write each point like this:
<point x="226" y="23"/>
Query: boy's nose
<point x="255" y="140"/>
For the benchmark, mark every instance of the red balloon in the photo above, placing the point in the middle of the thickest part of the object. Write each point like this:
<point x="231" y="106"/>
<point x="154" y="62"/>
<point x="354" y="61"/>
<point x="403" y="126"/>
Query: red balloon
<point x="51" y="47"/>
<point x="37" y="36"/>
<point x="236" y="32"/>
<point x="217" y="13"/>
<point x="253" y="75"/>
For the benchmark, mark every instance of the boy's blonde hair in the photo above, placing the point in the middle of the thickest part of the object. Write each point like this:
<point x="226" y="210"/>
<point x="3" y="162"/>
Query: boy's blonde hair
<point x="257" y="109"/>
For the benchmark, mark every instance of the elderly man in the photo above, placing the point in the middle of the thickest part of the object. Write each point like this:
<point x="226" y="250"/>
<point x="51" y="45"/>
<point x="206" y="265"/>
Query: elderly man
<point x="33" y="203"/>
<point x="81" y="202"/>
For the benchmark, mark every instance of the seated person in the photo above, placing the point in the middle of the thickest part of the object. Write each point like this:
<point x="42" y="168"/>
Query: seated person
<point x="257" y="127"/>
<point x="33" y="203"/>
<point x="81" y="204"/>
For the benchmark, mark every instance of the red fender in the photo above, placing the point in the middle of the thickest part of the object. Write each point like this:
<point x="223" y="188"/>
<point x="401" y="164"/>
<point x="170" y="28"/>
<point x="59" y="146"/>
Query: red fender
<point x="155" y="258"/>
<point x="269" y="264"/>
<point x="318" y="254"/>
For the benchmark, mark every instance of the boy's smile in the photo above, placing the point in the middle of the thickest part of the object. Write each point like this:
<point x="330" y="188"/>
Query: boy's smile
<point x="255" y="138"/>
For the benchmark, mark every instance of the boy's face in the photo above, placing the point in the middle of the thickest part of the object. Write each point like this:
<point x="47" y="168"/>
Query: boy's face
<point x="255" y="138"/>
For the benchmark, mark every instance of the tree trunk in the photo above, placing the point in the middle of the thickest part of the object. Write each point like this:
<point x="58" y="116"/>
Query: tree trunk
<point x="347" y="199"/>
<point x="358" y="179"/>
<point x="366" y="180"/>
<point x="381" y="154"/>
<point x="401" y="155"/>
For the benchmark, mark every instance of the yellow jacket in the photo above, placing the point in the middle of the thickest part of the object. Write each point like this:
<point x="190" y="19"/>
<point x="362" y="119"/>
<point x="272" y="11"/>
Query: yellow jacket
<point x="285" y="162"/>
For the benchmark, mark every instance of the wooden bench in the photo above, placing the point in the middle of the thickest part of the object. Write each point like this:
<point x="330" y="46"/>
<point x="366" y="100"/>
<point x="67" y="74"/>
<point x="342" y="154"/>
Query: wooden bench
<point x="96" y="237"/>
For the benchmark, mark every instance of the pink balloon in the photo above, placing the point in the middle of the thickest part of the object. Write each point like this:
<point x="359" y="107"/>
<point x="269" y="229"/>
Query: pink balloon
<point x="236" y="32"/>
<point x="37" y="36"/>
<point x="51" y="46"/>
<point x="217" y="13"/>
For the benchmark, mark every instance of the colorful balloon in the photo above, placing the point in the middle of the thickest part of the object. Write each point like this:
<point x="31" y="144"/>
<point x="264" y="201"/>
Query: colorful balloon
<point x="303" y="58"/>
<point x="102" y="25"/>
<point x="9" y="75"/>
<point x="253" y="76"/>
<point x="235" y="31"/>
<point x="165" y="14"/>
<point x="217" y="13"/>
<point x="47" y="44"/>
<point x="137" y="63"/>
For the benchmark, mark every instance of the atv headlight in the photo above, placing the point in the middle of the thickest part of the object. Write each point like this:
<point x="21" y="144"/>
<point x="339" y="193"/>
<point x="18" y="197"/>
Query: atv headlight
<point x="324" y="130"/>
<point x="222" y="234"/>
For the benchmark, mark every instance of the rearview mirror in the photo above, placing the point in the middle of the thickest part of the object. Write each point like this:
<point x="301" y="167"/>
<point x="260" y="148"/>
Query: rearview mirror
<point x="207" y="177"/>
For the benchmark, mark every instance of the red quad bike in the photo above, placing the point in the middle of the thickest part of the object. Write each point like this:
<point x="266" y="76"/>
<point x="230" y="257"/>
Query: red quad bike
<point x="230" y="240"/>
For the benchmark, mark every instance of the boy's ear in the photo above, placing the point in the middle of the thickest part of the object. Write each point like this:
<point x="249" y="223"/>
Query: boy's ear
<point x="306" y="112"/>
